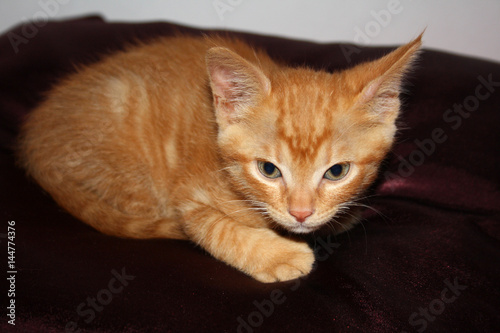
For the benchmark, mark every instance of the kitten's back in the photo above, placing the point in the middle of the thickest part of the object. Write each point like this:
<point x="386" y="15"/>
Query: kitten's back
<point x="112" y="141"/>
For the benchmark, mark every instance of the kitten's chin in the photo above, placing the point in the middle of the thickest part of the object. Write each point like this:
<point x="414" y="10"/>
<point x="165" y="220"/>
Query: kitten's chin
<point x="301" y="228"/>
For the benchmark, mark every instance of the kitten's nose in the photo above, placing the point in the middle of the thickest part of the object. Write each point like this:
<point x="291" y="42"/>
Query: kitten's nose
<point x="301" y="215"/>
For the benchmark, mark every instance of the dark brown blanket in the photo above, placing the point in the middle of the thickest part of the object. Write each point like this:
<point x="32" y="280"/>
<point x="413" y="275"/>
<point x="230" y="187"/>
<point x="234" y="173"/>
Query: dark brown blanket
<point x="426" y="258"/>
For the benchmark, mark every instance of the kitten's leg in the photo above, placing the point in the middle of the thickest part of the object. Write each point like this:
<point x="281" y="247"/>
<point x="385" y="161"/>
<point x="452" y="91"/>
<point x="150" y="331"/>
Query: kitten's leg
<point x="259" y="252"/>
<point x="144" y="228"/>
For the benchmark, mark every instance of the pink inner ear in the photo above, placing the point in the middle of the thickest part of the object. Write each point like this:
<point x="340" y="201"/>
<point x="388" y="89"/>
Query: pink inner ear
<point x="381" y="95"/>
<point x="236" y="84"/>
<point x="222" y="83"/>
<point x="371" y="90"/>
<point x="380" y="89"/>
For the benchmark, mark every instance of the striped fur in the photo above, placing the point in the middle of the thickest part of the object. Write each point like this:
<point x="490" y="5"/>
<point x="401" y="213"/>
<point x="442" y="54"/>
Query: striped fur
<point x="163" y="141"/>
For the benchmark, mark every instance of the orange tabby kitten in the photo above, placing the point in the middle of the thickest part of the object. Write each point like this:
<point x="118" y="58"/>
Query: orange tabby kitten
<point x="209" y="140"/>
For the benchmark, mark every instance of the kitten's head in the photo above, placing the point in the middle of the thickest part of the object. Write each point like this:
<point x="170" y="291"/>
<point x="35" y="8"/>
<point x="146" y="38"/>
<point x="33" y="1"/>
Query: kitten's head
<point x="303" y="144"/>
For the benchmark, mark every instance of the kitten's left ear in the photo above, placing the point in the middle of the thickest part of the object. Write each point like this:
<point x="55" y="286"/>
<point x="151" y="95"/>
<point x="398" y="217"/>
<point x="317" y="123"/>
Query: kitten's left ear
<point x="237" y="85"/>
<point x="384" y="79"/>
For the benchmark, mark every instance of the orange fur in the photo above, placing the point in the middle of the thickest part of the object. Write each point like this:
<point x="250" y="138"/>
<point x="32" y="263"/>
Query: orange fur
<point x="165" y="140"/>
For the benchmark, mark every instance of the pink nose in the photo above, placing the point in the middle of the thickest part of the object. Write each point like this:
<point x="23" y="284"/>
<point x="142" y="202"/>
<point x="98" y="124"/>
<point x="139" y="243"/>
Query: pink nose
<point x="301" y="215"/>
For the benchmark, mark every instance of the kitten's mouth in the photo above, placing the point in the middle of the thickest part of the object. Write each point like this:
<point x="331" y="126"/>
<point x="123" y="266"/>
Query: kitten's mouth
<point x="291" y="225"/>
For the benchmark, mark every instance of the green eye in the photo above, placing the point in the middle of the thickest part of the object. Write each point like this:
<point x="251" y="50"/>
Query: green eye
<point x="337" y="172"/>
<point x="268" y="169"/>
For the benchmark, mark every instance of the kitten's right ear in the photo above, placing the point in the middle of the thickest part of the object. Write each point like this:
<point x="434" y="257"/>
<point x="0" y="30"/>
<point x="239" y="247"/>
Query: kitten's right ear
<point x="236" y="84"/>
<point x="382" y="80"/>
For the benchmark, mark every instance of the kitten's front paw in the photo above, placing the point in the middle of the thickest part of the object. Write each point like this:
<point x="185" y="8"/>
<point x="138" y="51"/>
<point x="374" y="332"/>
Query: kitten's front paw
<point x="289" y="262"/>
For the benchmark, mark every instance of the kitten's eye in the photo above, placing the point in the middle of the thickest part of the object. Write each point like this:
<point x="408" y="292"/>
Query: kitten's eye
<point x="338" y="171"/>
<point x="268" y="169"/>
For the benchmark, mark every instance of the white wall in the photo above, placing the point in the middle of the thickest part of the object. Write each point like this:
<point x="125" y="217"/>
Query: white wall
<point x="468" y="27"/>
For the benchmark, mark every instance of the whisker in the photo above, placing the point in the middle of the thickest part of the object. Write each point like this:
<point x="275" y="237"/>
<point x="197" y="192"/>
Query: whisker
<point x="333" y="220"/>
<point x="357" y="218"/>
<point x="345" y="131"/>
<point x="376" y="211"/>
<point x="223" y="169"/>
<point x="366" y="236"/>
<point x="253" y="202"/>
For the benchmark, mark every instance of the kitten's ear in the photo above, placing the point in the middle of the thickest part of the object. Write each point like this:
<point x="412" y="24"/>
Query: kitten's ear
<point x="383" y="80"/>
<point x="237" y="85"/>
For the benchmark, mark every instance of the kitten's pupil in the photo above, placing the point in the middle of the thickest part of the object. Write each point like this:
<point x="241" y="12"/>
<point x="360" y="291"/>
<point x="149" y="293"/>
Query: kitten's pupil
<point x="336" y="170"/>
<point x="269" y="170"/>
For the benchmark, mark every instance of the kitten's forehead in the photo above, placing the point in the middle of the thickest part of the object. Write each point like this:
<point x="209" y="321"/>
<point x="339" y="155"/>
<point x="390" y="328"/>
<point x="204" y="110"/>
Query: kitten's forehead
<point x="309" y="115"/>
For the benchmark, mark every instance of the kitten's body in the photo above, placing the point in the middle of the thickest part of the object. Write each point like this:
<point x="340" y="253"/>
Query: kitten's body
<point x="170" y="140"/>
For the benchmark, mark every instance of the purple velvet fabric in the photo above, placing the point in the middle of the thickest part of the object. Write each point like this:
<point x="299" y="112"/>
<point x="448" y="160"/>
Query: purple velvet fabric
<point x="426" y="258"/>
